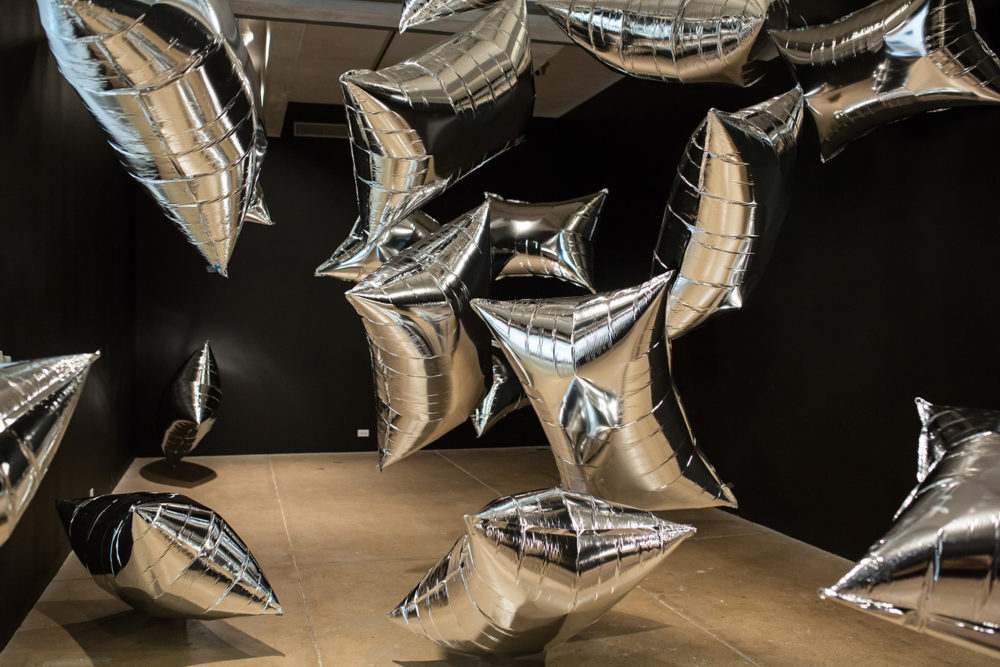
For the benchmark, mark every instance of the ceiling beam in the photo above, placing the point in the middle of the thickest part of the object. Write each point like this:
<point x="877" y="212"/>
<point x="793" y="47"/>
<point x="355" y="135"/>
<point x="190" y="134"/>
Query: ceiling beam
<point x="378" y="14"/>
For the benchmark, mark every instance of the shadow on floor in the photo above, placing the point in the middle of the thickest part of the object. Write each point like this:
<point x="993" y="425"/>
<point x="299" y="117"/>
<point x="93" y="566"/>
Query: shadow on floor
<point x="137" y="638"/>
<point x="612" y="624"/>
<point x="463" y="660"/>
<point x="618" y="624"/>
<point x="184" y="474"/>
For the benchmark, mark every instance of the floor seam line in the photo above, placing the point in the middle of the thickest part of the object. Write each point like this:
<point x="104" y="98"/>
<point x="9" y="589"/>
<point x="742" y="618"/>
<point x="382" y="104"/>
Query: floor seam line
<point x="295" y="564"/>
<point x="441" y="454"/>
<point x="705" y="630"/>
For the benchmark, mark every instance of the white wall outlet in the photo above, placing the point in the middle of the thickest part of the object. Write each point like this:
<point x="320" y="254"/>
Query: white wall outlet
<point x="91" y="492"/>
<point x="362" y="433"/>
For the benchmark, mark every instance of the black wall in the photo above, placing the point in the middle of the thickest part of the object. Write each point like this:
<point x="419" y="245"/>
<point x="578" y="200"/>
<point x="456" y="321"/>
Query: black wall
<point x="66" y="286"/>
<point x="879" y="289"/>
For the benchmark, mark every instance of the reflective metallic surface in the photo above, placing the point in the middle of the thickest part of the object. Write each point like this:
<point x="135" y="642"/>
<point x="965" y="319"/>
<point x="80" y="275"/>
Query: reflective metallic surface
<point x="533" y="570"/>
<point x="503" y="397"/>
<point x="690" y="41"/>
<point x="37" y="400"/>
<point x="358" y="255"/>
<point x="166" y="555"/>
<point x="936" y="570"/>
<point x="597" y="371"/>
<point x="417" y="12"/>
<point x="172" y="85"/>
<point x="888" y="61"/>
<point x="546" y="239"/>
<point x="258" y="212"/>
<point x="187" y="410"/>
<point x="726" y="208"/>
<point x="419" y="126"/>
<point x="430" y="354"/>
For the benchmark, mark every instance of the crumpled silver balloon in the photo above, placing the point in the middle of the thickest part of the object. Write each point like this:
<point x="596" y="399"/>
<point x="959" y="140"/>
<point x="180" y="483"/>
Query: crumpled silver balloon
<point x="358" y="255"/>
<point x="936" y="569"/>
<point x="37" y="400"/>
<point x="419" y="126"/>
<point x="167" y="555"/>
<point x="503" y="396"/>
<point x="173" y="86"/>
<point x="690" y="41"/>
<point x="545" y="239"/>
<point x="888" y="61"/>
<point x="187" y="410"/>
<point x="418" y="12"/>
<point x="429" y="352"/>
<point x="597" y="371"/>
<point x="533" y="570"/>
<point x="726" y="208"/>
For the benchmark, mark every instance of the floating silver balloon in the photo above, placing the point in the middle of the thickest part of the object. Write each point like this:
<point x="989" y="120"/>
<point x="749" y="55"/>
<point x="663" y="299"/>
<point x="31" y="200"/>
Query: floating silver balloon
<point x="258" y="211"/>
<point x="935" y="571"/>
<point x="888" y="61"/>
<point x="187" y="410"/>
<point x="358" y="255"/>
<point x="173" y="87"/>
<point x="503" y="396"/>
<point x="167" y="555"/>
<point x="597" y="371"/>
<point x="37" y="400"/>
<point x="690" y="41"/>
<point x="533" y="570"/>
<point x="418" y="12"/>
<point x="419" y="126"/>
<point x="429" y="352"/>
<point x="549" y="239"/>
<point x="726" y="207"/>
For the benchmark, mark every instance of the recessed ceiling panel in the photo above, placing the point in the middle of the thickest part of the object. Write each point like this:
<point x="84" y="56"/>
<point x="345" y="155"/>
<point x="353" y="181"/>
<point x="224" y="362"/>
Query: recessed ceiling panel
<point x="327" y="52"/>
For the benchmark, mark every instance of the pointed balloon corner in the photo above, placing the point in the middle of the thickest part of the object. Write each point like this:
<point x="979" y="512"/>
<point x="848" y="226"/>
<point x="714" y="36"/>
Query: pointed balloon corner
<point x="66" y="508"/>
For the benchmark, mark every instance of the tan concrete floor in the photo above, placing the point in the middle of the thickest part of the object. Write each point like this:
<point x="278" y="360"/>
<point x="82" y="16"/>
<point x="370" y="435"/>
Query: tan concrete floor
<point x="342" y="544"/>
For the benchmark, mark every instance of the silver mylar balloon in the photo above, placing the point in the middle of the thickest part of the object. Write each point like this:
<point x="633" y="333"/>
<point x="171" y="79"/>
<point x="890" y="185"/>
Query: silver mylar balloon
<point x="503" y="396"/>
<point x="167" y="555"/>
<point x="37" y="400"/>
<point x="549" y="239"/>
<point x="726" y="207"/>
<point x="417" y="12"/>
<point x="888" y="61"/>
<point x="429" y="352"/>
<point x="419" y="126"/>
<point x="690" y="41"/>
<point x="187" y="410"/>
<point x="358" y="255"/>
<point x="533" y="570"/>
<point x="936" y="569"/>
<point x="173" y="87"/>
<point x="258" y="212"/>
<point x="597" y="371"/>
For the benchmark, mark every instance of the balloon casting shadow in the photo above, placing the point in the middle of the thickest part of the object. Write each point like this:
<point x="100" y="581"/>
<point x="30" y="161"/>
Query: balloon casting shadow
<point x="132" y="635"/>
<point x="185" y="474"/>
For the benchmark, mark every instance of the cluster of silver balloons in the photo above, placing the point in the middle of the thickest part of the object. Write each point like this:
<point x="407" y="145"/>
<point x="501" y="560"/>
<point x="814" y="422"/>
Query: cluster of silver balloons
<point x="37" y="401"/>
<point x="173" y="87"/>
<point x="167" y="555"/>
<point x="936" y="569"/>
